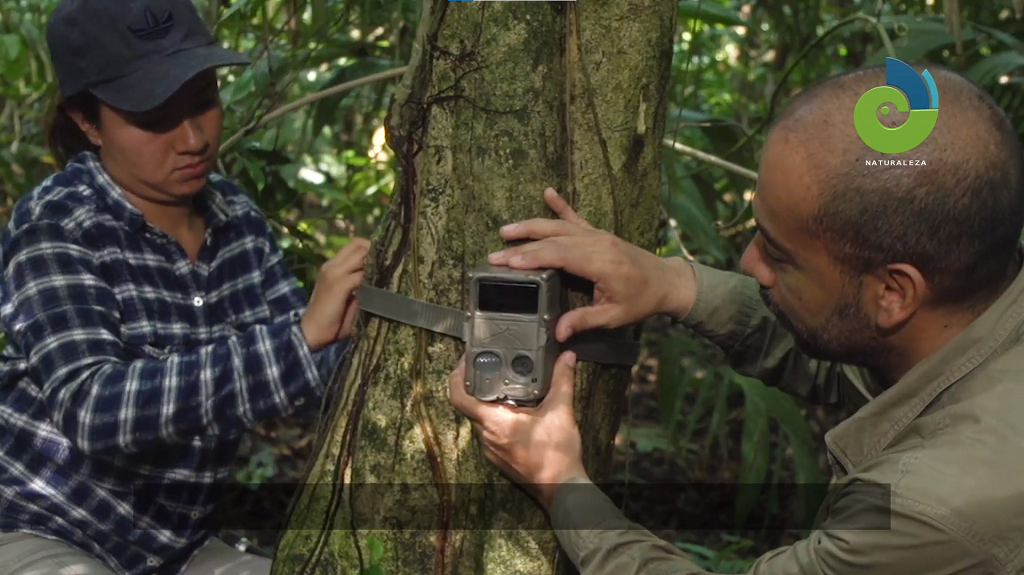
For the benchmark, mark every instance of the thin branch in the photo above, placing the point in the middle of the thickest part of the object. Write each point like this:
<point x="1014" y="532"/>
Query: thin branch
<point x="675" y="235"/>
<point x="291" y="107"/>
<point x="883" y="34"/>
<point x="711" y="159"/>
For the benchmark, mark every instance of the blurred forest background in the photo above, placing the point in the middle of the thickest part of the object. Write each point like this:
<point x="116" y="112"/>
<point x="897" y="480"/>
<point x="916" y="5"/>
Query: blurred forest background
<point x="304" y="135"/>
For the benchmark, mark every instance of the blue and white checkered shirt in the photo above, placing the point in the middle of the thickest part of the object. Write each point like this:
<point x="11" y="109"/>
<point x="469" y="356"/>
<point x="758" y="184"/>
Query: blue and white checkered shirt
<point x="127" y="365"/>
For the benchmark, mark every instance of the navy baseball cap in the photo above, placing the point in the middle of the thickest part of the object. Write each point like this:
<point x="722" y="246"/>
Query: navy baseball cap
<point x="132" y="54"/>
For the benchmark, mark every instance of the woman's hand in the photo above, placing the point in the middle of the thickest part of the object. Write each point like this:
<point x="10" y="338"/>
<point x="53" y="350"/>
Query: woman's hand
<point x="333" y="307"/>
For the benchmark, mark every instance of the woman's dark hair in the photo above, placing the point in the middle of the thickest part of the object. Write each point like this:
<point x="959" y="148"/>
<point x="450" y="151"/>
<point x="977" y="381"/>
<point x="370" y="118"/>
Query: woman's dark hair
<point x="64" y="137"/>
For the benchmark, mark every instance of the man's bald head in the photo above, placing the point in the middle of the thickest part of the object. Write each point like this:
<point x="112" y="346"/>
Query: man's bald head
<point x="957" y="219"/>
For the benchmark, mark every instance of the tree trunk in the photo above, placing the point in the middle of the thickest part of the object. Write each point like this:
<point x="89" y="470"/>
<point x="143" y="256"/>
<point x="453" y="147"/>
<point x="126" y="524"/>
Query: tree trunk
<point x="501" y="100"/>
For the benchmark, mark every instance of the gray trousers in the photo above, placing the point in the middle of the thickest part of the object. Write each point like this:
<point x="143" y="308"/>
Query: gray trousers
<point x="27" y="554"/>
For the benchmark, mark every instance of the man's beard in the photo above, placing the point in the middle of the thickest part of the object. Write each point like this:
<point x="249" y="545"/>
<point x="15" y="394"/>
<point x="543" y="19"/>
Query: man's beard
<point x="846" y="336"/>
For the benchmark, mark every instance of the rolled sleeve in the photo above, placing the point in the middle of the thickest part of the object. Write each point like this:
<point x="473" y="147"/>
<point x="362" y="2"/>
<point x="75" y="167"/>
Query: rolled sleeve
<point x="865" y="532"/>
<point x="286" y="297"/>
<point x="729" y="313"/>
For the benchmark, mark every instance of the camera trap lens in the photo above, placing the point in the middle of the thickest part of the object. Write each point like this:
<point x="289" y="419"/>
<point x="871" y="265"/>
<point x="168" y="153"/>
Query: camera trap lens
<point x="522" y="365"/>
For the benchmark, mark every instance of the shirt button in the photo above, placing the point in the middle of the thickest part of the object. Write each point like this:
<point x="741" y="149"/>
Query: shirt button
<point x="152" y="562"/>
<point x="197" y="301"/>
<point x="195" y="515"/>
<point x="300" y="401"/>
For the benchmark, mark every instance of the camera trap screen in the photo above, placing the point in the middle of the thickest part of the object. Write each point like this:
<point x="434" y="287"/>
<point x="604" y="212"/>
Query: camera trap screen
<point x="508" y="297"/>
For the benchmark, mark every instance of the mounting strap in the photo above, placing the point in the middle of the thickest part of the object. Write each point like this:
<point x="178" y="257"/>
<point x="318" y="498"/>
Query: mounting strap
<point x="590" y="345"/>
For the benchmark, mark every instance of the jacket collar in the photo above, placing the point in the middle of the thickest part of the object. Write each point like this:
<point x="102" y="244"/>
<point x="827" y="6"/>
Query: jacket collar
<point x="210" y="202"/>
<point x="869" y="431"/>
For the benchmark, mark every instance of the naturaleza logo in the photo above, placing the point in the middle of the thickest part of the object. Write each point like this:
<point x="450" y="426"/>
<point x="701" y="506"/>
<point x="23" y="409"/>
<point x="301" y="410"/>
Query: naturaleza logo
<point x="908" y="92"/>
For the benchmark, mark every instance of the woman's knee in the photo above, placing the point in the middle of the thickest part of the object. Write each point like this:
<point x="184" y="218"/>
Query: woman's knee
<point x="24" y="553"/>
<point x="220" y="558"/>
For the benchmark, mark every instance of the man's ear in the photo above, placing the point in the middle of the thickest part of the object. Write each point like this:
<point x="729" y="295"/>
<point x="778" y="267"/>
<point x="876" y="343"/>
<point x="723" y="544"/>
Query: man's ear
<point x="88" y="129"/>
<point x="897" y="292"/>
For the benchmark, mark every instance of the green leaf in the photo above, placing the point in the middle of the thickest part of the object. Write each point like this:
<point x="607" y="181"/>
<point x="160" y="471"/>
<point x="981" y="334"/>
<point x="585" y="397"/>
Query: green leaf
<point x="784" y="409"/>
<point x="249" y="174"/>
<point x="722" y="134"/>
<point x="326" y="110"/>
<point x="695" y="415"/>
<point x="1008" y="39"/>
<point x="719" y="414"/>
<point x="755" y="447"/>
<point x="376" y="549"/>
<point x="269" y="157"/>
<point x="707" y="191"/>
<point x="320" y="13"/>
<point x="683" y="201"/>
<point x="11" y="46"/>
<point x="794" y="426"/>
<point x="699" y="550"/>
<point x="237" y="6"/>
<point x="671" y="380"/>
<point x="988" y="69"/>
<point x="242" y="86"/>
<point x="13" y="56"/>
<point x="709" y="11"/>
<point x="923" y="35"/>
<point x="648" y="438"/>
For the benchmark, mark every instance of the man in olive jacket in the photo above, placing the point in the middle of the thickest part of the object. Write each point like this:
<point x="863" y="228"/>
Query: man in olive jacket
<point x="895" y="285"/>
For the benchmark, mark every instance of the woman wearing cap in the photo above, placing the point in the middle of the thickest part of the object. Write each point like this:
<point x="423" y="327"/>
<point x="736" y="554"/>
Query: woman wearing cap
<point x="149" y="316"/>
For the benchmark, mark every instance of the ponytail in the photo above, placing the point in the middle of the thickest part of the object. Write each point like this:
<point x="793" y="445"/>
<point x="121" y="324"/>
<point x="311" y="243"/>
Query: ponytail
<point x="64" y="138"/>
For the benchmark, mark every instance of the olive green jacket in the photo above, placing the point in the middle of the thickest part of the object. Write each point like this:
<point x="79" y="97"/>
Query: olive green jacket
<point x="946" y="443"/>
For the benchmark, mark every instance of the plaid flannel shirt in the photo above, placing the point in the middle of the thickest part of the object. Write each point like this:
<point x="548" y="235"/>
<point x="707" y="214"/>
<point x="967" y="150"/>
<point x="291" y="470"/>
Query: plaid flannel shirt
<point x="129" y="366"/>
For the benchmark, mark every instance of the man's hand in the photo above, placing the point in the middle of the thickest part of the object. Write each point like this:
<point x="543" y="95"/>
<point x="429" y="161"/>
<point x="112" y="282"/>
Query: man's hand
<point x="630" y="284"/>
<point x="539" y="448"/>
<point x="332" y="307"/>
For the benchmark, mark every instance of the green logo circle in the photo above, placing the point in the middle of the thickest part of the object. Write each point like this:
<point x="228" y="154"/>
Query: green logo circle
<point x="907" y="92"/>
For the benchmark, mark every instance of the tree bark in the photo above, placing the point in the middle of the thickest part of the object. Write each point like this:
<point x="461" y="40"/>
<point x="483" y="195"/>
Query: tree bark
<point x="501" y="100"/>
